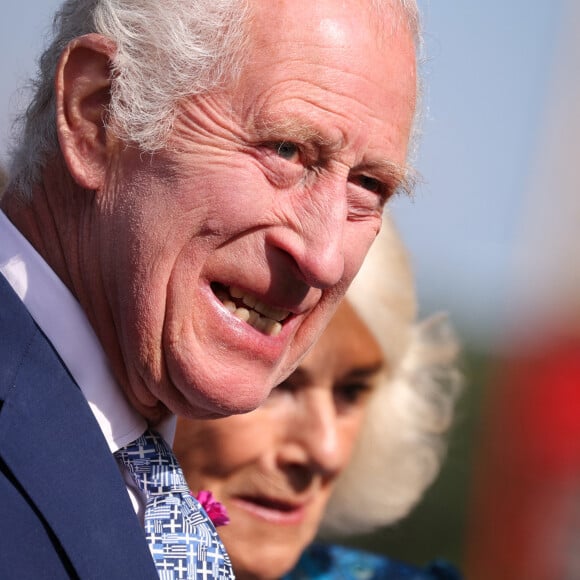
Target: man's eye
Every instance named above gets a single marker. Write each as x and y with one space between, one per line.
370 183
287 150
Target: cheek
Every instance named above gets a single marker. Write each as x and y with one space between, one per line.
359 237
224 182
350 429
217 449
202 450
151 226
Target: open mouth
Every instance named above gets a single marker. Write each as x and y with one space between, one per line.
245 306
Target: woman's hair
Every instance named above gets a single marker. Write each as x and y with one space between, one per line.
402 443
166 50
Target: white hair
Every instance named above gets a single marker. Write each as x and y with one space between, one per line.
402 443
166 50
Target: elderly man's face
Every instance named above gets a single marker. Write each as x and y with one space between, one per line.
229 251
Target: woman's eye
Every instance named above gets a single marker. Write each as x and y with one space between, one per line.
292 384
287 150
352 394
286 385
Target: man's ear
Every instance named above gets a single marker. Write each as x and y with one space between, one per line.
83 88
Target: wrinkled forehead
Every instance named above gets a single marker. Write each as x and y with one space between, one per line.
344 39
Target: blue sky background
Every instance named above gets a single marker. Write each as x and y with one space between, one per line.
487 81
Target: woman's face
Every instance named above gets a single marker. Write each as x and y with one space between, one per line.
275 468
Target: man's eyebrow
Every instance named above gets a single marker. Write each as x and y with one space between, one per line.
401 178
289 130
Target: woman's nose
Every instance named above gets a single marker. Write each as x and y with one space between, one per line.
313 438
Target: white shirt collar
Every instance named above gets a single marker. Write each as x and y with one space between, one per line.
61 318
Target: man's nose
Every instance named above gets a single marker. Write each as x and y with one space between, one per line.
315 236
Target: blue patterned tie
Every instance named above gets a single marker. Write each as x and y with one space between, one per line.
182 539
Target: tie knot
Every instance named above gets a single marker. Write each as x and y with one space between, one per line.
153 465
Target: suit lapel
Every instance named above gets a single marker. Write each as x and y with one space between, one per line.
52 444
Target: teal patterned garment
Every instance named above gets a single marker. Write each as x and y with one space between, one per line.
333 562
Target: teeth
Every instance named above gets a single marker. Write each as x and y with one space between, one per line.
249 300
254 317
260 316
273 328
276 329
261 324
267 326
242 314
271 312
236 292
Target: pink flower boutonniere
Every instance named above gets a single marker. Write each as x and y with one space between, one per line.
215 510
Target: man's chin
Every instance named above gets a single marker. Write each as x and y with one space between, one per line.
218 399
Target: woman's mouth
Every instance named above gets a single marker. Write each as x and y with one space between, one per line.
272 510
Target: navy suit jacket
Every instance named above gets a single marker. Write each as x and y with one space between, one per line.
64 508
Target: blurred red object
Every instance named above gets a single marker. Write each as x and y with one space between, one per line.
524 521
